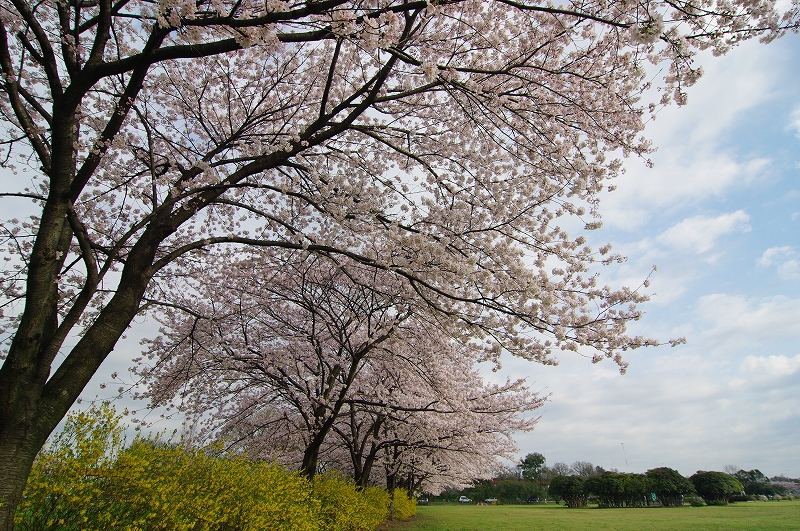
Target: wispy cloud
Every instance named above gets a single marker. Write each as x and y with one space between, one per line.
785 259
724 164
794 123
699 234
770 367
738 320
697 157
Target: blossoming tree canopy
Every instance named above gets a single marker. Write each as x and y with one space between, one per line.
439 141
302 349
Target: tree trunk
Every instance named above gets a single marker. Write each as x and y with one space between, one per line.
311 455
17 453
310 458
391 484
365 467
366 470
31 404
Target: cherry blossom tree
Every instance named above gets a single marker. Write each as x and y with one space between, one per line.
274 351
301 348
439 141
430 418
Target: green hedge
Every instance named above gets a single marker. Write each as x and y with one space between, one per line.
86 480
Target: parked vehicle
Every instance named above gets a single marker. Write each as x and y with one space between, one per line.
464 499
490 501
422 501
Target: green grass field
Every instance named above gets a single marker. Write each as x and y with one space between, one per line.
771 516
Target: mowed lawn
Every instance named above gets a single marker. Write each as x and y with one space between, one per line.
769 516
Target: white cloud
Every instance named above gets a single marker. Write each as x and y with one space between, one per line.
773 254
680 178
770 367
789 270
684 409
699 234
698 158
736 320
785 259
795 122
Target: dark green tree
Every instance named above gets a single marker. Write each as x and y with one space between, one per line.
571 489
532 467
756 483
618 490
558 469
669 486
516 491
716 488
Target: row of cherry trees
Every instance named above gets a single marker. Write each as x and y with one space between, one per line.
321 365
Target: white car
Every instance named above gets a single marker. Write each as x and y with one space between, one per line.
464 499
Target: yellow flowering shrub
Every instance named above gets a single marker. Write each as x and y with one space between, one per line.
405 506
65 486
85 480
345 507
167 487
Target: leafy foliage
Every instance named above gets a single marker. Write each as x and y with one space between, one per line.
349 509
755 482
669 486
506 490
571 489
618 490
73 471
532 466
404 504
716 488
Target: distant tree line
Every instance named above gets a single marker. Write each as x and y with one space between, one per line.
532 481
659 486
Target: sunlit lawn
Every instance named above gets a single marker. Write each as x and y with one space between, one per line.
754 516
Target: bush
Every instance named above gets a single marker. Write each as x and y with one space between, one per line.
163 486
571 489
72 472
85 480
405 506
716 488
669 486
345 508
617 490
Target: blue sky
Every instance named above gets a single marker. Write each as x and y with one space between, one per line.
720 216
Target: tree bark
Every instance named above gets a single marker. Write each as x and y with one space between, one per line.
18 449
